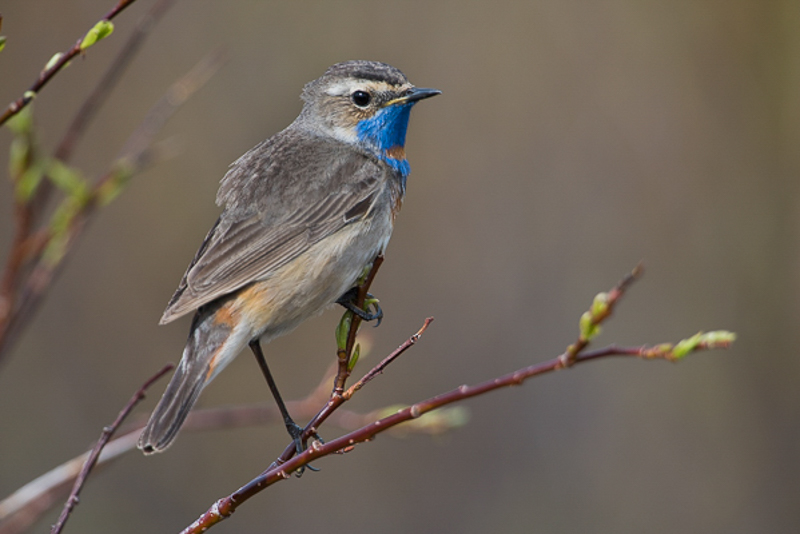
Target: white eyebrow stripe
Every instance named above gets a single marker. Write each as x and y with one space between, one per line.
345 87
339 89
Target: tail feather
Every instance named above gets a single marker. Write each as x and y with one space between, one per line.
179 398
207 351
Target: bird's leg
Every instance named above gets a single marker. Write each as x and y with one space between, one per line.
348 301
295 430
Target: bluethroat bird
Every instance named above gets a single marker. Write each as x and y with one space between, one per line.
304 213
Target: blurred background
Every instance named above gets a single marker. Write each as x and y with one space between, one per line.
573 140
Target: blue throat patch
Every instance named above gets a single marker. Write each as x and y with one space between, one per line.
386 133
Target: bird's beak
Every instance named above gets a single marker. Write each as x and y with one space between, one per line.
414 94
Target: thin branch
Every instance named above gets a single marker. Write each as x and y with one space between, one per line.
47 74
29 243
135 155
378 369
22 508
601 309
110 79
108 431
223 508
91 105
590 322
344 354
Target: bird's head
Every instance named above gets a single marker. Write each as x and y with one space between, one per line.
366 104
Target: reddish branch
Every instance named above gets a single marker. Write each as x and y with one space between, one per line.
601 310
47 74
22 508
378 369
21 297
29 242
224 507
108 431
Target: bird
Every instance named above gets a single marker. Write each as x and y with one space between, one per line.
304 214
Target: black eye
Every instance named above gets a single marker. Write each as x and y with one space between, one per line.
361 98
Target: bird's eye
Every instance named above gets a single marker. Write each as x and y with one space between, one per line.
361 98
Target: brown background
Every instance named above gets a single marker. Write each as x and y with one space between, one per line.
573 139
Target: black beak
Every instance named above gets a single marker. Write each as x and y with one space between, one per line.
418 93
414 94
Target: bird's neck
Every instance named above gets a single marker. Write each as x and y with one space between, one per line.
385 134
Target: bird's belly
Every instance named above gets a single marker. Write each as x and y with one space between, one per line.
312 281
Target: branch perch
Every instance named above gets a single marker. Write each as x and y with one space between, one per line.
94 454
589 325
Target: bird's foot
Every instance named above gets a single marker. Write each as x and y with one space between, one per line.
300 445
348 302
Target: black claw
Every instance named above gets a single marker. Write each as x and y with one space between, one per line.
300 446
347 301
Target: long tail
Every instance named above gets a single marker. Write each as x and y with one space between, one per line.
210 348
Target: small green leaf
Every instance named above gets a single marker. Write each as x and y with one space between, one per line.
354 358
342 329
587 326
60 224
600 305
364 274
100 31
19 154
2 42
53 60
68 180
22 122
685 346
28 182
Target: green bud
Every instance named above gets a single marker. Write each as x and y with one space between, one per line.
53 60
718 338
342 329
364 272
68 180
600 305
685 346
100 31
2 42
18 156
60 225
28 182
22 122
354 358
588 329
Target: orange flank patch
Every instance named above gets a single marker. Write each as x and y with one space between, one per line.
396 152
226 315
249 303
245 304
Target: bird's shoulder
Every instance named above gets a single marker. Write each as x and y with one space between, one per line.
292 168
278 199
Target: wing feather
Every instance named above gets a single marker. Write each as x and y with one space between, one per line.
251 240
